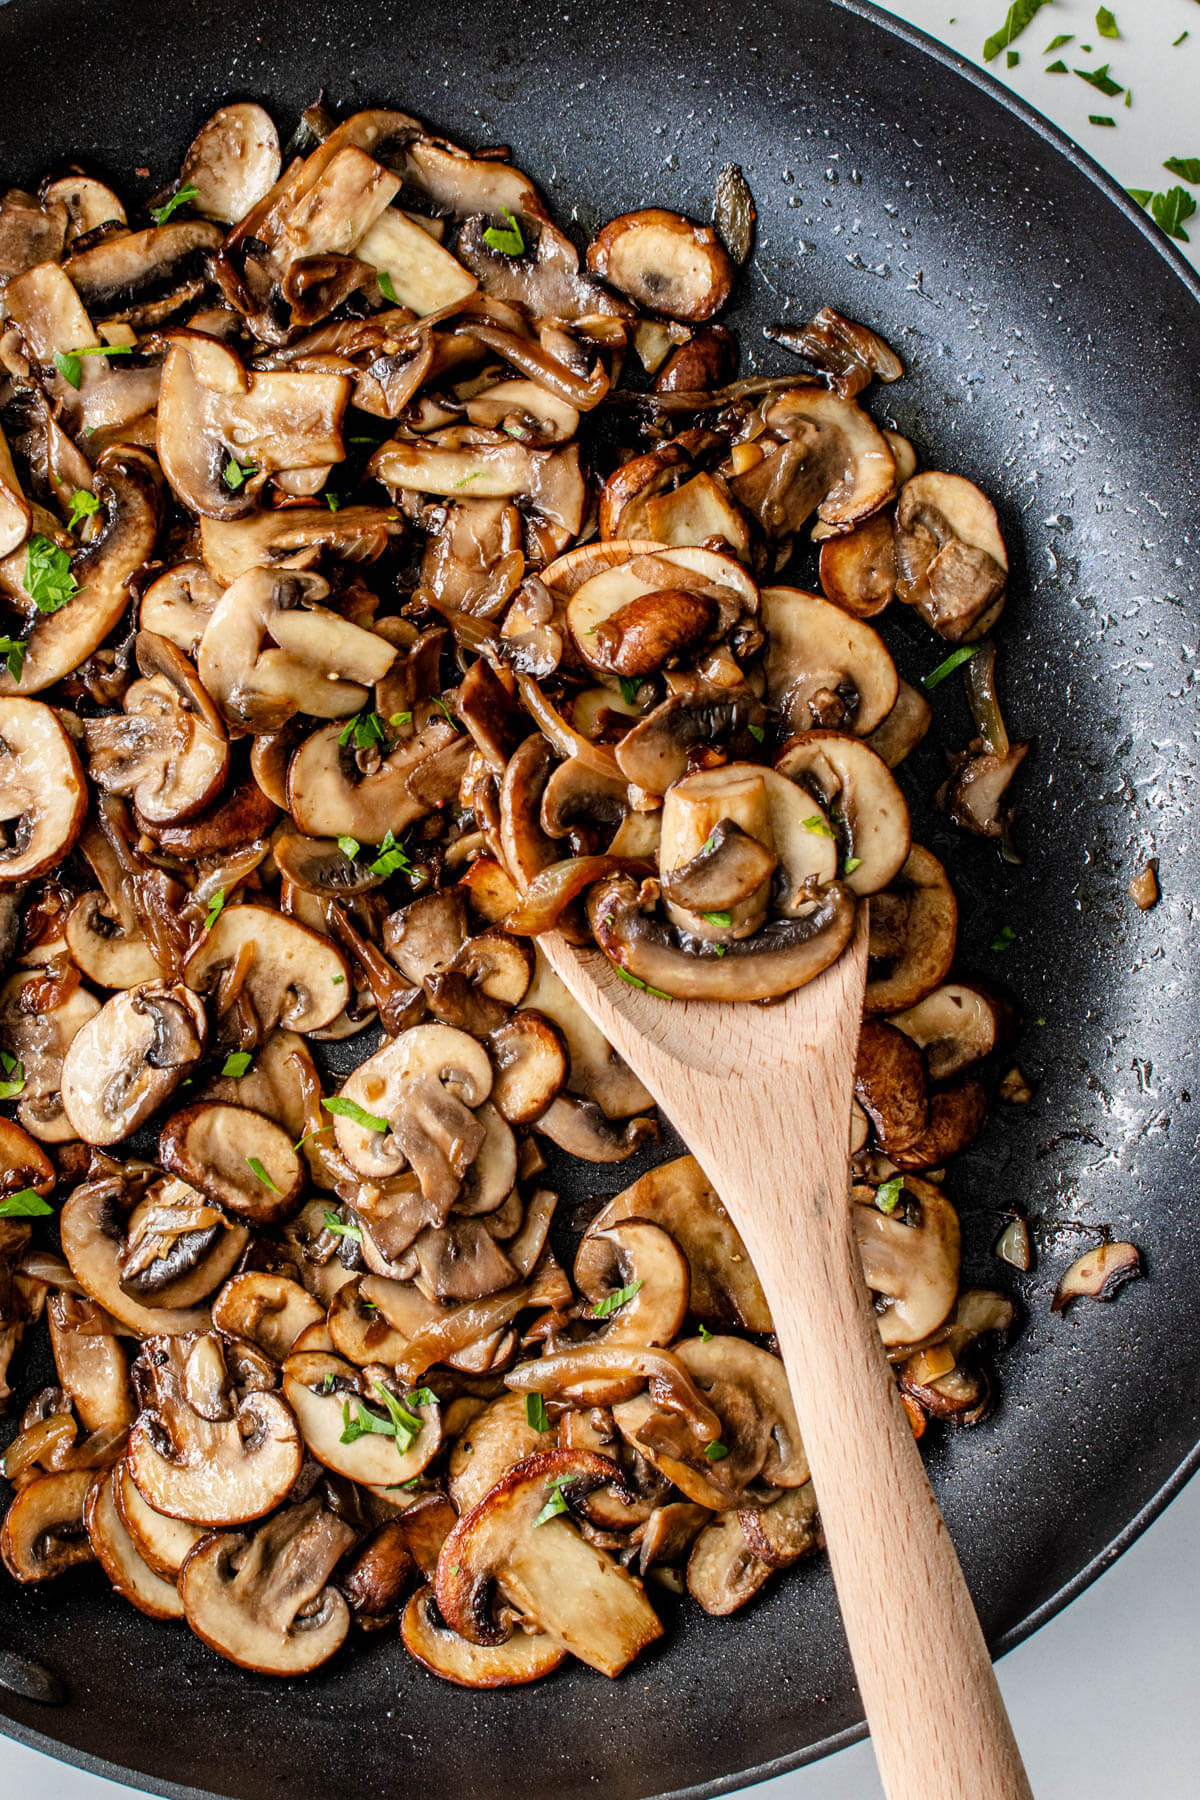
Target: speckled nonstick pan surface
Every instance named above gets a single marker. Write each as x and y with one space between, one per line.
1052 343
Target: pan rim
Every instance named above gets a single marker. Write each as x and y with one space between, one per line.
1073 153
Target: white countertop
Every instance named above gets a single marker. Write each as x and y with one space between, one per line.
1104 1698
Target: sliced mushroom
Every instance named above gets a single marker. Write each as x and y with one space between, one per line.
889 1085
582 1129
298 535
128 1058
958 1024
525 1656
240 1158
168 750
119 1556
422 273
107 948
827 457
910 1259
974 793
1097 1274
162 1543
232 163
23 1163
663 262
91 1364
951 561
280 1074
213 412
268 1310
329 795
531 1066
295 977
230 1463
44 794
351 1428
851 780
914 927
550 482
15 515
261 1600
434 1056
179 604
424 937
644 603
580 1598
786 1529
823 666
858 568
903 728
39 1040
723 1571
94 1244
849 352
639 1256
127 484
143 277
493 1443
596 1072
44 1533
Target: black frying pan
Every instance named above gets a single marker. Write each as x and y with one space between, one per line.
1053 342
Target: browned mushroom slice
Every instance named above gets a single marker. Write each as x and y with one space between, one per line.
162 1543
826 457
225 1464
957 1115
494 1442
531 1063
329 795
596 1072
268 1310
178 605
823 666
295 977
232 163
951 561
726 871
578 1596
525 1656
786 1529
903 728
143 277
30 233
914 928
663 262
240 1158
956 1025
637 1280
128 485
23 1163
433 1056
782 956
974 793
213 413
661 599
89 203
298 535
362 1429
851 353
889 1085
424 276
1097 1274
43 794
94 1244
119 1556
941 1375
15 515
91 1364
548 481
261 1600
425 936
44 1533
679 1197
628 490
910 1259
128 1058
723 1571
582 1129
654 753
858 568
382 1571
109 948
39 1040
168 749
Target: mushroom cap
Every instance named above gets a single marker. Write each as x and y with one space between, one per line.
260 1599
913 934
664 262
297 978
912 1261
856 783
267 1310
635 1253
40 1041
162 1543
214 1146
494 1442
425 1053
105 948
814 650
233 162
329 1397
43 793
92 1236
329 796
129 1057
43 1532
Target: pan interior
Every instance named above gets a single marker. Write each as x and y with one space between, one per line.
1047 346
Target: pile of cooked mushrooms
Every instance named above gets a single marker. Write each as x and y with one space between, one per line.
383 585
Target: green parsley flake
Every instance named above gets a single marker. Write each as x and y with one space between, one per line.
887 1194
179 198
14 1076
757 732
1143 196
391 858
260 1174
1169 211
705 1335
48 578
350 1109
1064 37
716 1452
1101 79
510 242
83 505
400 718
339 1228
235 473
955 660
818 826
1101 119
556 1502
362 731
1186 167
637 982
332 502
214 909
13 652
1004 939
851 863
477 476
24 1204
1013 58
349 846
718 918
1057 68
327 1384
1106 25
1020 14
630 687
236 1064
1180 38
536 1416
386 286
611 1303
445 707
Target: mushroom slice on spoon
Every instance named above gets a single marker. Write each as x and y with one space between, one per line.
128 1058
43 794
261 1600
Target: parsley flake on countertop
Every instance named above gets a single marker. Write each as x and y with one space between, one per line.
1020 14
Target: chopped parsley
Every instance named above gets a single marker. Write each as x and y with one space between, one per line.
14 1076
1056 43
260 1174
631 687
48 578
611 1303
1169 211
24 1204
448 710
400 1424
887 1194
955 660
637 982
236 1064
179 198
818 826
718 918
705 1335
510 242
386 286
757 732
1101 119
556 1501
1106 25
391 858
362 731
83 505
69 367
349 846
1004 939
1020 14
350 1109
12 650
1013 58
716 1452
332 501
1101 79
1186 167
215 906
338 1226
851 863
235 473
1057 68
476 476
400 718
536 1416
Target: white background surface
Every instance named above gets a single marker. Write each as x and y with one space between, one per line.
1104 1699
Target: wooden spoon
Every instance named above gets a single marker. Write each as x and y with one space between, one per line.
762 1098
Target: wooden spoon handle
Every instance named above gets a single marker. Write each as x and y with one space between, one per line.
938 1722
